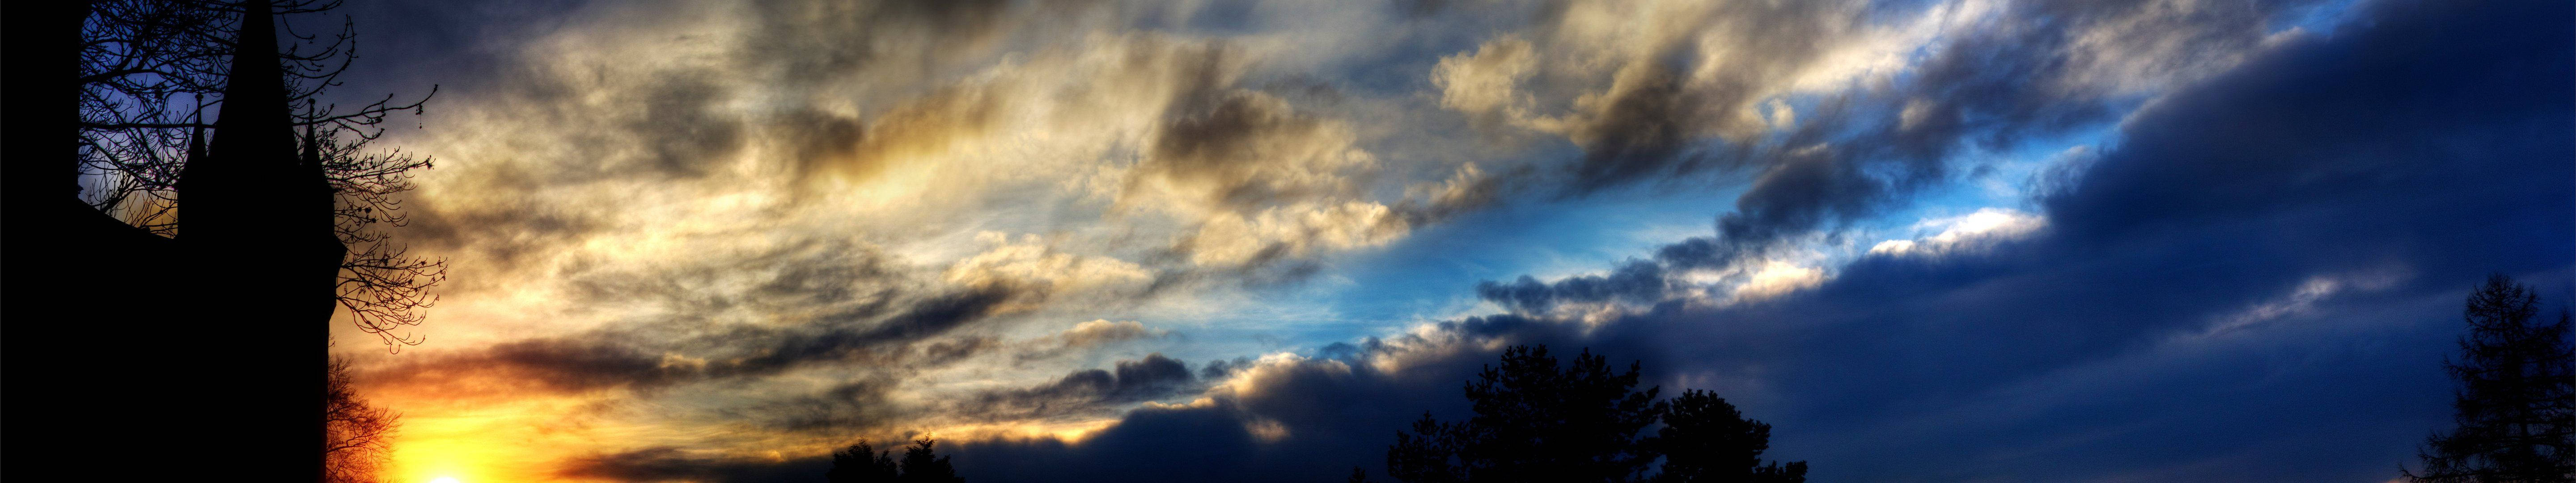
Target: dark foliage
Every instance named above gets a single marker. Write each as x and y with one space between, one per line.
863 463
1704 439
1535 422
921 465
2515 397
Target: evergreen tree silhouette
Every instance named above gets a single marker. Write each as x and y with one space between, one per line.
1705 439
922 465
861 463
1536 422
2516 402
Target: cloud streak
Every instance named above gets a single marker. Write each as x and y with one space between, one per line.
724 237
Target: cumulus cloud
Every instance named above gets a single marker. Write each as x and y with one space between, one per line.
1099 332
2041 349
646 356
1087 337
1486 83
784 224
598 180
1030 263
1089 393
1970 231
1839 110
1637 281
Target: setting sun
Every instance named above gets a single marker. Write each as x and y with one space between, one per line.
1268 241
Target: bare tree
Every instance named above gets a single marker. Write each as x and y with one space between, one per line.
151 70
356 437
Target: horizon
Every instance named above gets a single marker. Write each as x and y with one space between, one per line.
1242 240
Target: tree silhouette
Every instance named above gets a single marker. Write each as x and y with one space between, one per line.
150 70
357 437
861 462
198 100
2516 401
1536 422
1704 439
921 465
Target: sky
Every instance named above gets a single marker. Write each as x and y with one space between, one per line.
1105 240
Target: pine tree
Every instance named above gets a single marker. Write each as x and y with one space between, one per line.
2517 383
1536 422
1705 439
921 465
861 463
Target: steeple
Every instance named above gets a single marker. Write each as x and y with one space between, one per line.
312 159
261 260
225 189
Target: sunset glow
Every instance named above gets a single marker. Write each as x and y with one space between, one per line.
1237 240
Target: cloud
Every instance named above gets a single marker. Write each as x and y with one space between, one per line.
1838 110
1249 149
1087 393
2042 348
936 178
1974 230
1099 332
1087 337
1485 84
1031 263
652 356
675 464
1637 281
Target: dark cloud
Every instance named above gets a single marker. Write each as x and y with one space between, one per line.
649 356
2036 71
1637 281
2082 352
1223 368
813 42
1244 149
1297 420
819 139
1091 392
1642 134
683 124
674 464
861 404
799 278
505 237
2401 156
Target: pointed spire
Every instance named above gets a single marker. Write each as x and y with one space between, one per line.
253 143
255 90
312 149
196 143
